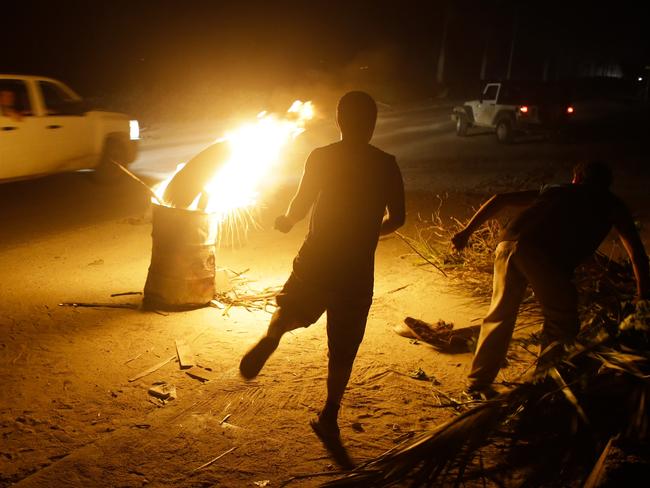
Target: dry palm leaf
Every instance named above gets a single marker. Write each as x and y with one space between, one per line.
187 184
550 431
443 336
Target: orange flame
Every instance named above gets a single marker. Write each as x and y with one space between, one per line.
255 148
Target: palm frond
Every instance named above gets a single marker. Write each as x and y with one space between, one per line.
432 454
556 426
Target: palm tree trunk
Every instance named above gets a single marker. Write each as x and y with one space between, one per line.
440 72
515 26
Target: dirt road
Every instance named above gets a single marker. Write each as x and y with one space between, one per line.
70 416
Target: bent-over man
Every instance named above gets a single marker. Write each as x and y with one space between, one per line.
560 226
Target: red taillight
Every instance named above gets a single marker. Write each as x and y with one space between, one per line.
524 109
569 110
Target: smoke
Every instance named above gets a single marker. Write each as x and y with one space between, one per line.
202 91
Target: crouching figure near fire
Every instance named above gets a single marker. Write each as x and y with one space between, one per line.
560 226
357 194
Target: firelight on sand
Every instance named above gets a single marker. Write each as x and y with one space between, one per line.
254 149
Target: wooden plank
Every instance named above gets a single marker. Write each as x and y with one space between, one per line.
163 391
185 356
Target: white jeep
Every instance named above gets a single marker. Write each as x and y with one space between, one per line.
515 107
46 128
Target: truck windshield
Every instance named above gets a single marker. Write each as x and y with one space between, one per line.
490 92
57 101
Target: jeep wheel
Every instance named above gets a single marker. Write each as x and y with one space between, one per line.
504 131
461 125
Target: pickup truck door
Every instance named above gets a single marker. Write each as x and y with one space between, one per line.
67 131
486 108
21 148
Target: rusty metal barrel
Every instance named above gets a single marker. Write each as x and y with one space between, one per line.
182 270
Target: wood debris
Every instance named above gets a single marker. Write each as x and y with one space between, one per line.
132 306
163 391
201 374
126 293
152 369
395 290
215 459
185 356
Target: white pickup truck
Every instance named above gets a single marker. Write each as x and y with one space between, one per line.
46 128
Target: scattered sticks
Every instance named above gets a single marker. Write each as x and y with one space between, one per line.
152 369
416 251
215 459
132 306
126 293
241 294
134 177
399 288
132 359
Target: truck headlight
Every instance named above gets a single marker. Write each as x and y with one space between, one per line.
134 130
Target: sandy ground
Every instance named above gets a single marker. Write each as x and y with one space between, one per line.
70 416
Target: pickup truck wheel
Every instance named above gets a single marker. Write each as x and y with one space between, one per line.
504 131
106 172
461 125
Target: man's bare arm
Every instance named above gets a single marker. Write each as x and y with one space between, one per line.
489 210
396 205
632 243
302 200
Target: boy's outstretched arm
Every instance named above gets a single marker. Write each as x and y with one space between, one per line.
303 199
395 203
488 210
632 243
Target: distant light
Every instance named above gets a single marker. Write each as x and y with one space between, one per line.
523 109
640 78
134 130
569 110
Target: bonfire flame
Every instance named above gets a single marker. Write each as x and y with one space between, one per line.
232 184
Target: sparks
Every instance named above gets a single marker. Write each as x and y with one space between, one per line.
254 149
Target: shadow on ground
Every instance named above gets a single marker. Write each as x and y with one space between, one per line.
34 208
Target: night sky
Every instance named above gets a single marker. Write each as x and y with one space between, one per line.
145 50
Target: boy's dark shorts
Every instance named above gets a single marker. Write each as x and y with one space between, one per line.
346 314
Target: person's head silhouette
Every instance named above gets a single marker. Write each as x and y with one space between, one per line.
593 173
356 115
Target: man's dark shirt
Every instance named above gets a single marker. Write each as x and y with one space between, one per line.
352 184
568 222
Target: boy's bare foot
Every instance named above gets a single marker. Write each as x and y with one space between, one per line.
253 361
329 434
325 429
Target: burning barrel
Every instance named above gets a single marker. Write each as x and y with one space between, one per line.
182 270
223 178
